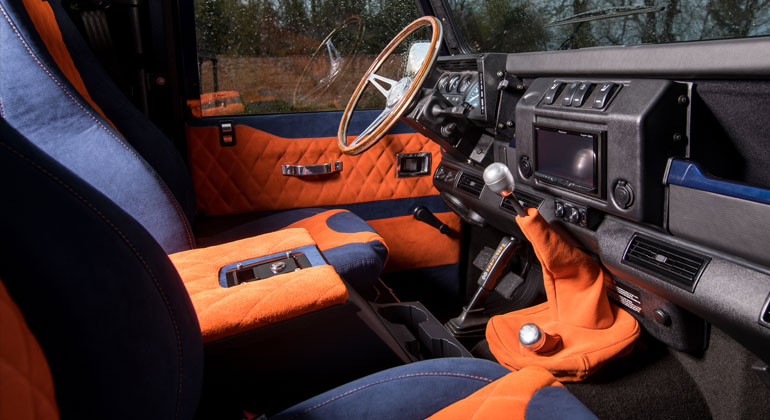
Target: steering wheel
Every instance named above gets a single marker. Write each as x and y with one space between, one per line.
398 95
337 63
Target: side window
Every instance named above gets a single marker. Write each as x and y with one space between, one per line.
280 56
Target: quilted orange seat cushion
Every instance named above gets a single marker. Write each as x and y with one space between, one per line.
224 312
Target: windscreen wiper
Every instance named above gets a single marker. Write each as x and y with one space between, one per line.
606 13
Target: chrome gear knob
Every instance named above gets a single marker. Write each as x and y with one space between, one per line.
499 179
536 340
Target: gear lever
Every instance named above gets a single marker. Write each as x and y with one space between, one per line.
471 321
499 179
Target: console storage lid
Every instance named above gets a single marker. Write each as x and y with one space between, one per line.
225 311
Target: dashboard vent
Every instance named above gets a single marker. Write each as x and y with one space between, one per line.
676 266
764 318
471 184
458 65
527 201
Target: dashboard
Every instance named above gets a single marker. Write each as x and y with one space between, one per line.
609 161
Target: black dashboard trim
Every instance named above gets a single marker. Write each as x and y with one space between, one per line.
734 58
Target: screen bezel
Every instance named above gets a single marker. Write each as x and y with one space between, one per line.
598 138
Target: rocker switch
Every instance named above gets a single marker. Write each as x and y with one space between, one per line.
603 93
569 92
226 133
551 93
581 93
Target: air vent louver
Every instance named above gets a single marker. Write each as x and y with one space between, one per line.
764 317
676 266
525 199
471 184
458 65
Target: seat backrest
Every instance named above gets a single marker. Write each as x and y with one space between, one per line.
109 310
58 113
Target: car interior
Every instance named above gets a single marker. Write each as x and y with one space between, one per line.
391 209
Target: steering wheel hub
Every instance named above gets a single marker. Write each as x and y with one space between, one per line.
398 91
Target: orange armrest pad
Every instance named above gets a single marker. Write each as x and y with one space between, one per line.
505 398
223 312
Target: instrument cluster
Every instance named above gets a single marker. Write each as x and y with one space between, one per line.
459 88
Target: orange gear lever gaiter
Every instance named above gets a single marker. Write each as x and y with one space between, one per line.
591 330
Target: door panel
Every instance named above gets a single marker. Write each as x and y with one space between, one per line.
247 178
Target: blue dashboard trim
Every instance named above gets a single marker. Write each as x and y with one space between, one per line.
304 125
689 174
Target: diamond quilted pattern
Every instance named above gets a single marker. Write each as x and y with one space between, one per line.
226 311
247 177
26 385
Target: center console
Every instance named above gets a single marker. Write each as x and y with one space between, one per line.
600 144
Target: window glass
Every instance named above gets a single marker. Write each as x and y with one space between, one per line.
521 25
271 56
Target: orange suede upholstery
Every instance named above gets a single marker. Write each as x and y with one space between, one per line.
413 244
401 235
573 280
227 311
26 385
247 177
592 330
505 398
328 238
43 18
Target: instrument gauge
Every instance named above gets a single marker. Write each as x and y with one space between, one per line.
473 98
453 83
466 83
442 83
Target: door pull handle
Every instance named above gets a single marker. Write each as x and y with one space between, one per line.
308 170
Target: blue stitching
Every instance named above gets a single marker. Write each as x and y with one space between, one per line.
344 394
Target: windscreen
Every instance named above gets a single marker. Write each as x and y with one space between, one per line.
566 155
547 25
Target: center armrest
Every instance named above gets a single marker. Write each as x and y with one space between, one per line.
225 311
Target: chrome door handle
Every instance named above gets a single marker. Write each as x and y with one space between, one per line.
307 170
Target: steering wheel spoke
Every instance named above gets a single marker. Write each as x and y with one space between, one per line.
376 80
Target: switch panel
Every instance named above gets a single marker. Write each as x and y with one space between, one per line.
574 213
587 95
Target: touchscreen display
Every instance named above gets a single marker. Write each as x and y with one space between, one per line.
567 155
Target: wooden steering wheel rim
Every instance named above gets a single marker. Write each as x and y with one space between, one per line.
401 106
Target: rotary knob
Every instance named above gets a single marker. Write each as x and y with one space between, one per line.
558 211
574 215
